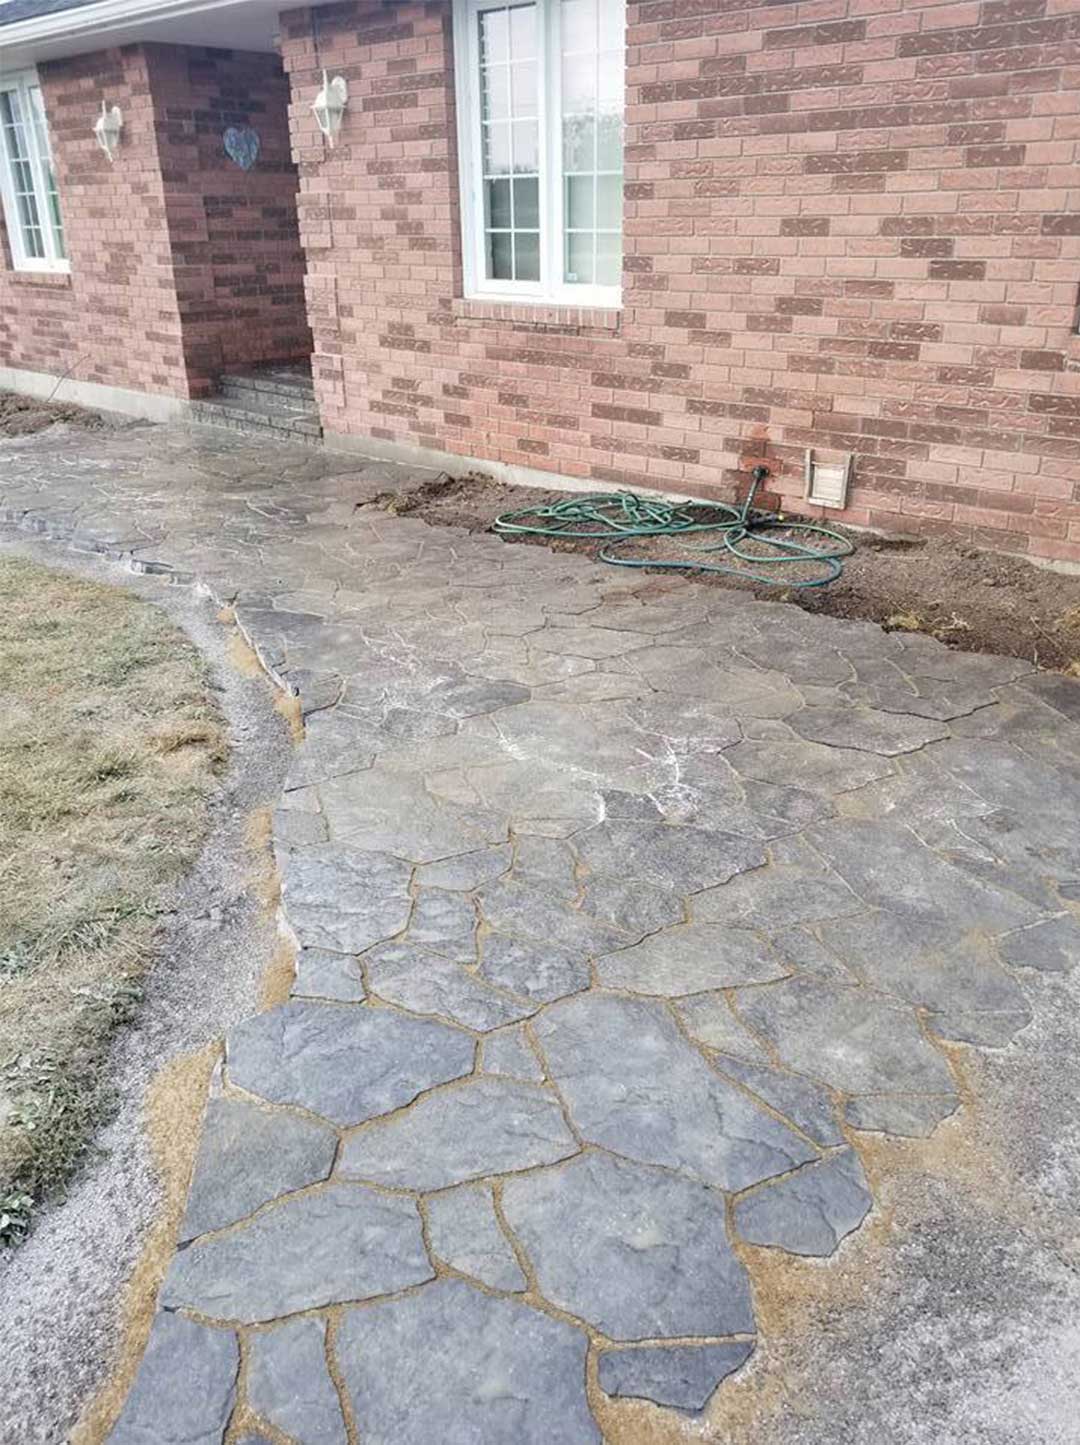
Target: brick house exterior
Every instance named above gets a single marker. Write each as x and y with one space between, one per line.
849 224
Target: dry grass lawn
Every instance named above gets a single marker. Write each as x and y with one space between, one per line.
109 745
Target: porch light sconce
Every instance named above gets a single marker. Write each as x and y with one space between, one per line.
107 129
329 105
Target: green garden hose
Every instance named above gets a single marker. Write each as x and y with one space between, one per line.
752 538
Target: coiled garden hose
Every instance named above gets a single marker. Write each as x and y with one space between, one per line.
749 536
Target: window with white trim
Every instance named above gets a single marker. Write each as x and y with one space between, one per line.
540 87
28 178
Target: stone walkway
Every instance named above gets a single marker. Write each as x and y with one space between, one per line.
624 908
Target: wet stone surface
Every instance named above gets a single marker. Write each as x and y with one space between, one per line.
683 879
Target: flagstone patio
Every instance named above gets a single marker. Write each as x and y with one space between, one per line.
624 909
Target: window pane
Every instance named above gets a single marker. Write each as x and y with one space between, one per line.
497 198
526 204
593 85
579 258
494 36
500 256
495 92
523 32
527 255
526 147
497 149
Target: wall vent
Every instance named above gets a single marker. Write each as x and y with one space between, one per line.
828 475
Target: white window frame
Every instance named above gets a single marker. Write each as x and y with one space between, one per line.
21 82
551 289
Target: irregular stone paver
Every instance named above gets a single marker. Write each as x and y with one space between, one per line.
634 1251
867 731
682 1376
464 1233
347 1064
185 1390
690 959
808 1105
321 974
289 1384
249 1155
341 1243
509 1053
1051 947
487 1126
492 1371
342 899
416 979
913 1117
708 1019
633 1084
610 767
535 970
810 1211
846 1037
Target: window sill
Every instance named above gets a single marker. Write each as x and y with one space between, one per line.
57 280
541 316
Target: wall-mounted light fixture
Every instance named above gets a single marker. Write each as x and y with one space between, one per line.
107 129
329 105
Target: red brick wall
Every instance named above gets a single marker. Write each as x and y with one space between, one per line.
114 320
238 263
850 223
181 263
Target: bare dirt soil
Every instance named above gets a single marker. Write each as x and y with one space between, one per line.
973 600
21 415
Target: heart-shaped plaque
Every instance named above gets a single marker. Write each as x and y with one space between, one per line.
241 145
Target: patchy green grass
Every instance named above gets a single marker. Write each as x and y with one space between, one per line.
109 745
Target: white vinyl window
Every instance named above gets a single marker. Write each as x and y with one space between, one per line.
541 88
28 179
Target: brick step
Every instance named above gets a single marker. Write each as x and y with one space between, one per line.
237 391
258 413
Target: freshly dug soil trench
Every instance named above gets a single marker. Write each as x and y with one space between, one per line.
973 600
21 415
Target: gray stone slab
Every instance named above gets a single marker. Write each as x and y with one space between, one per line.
808 1105
464 1233
1052 946
810 1211
889 867
508 1053
289 1384
802 764
991 1030
185 1389
425 983
847 1037
636 1252
775 898
484 1127
682 1377
708 1019
532 913
347 1062
249 1155
467 871
538 971
494 1371
910 1116
867 730
344 899
926 962
445 923
322 974
390 812
690 958
546 863
628 904
681 858
339 1243
633 1084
